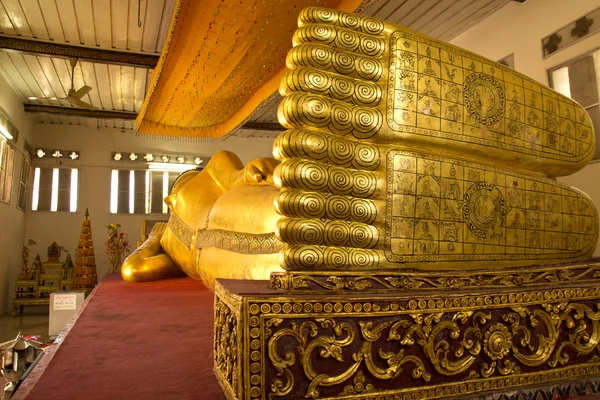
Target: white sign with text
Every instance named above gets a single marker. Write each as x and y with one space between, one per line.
65 301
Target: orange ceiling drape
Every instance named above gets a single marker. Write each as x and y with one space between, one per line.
221 60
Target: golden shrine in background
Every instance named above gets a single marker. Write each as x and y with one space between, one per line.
419 245
84 272
34 285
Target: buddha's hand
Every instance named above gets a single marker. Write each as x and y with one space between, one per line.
259 171
364 188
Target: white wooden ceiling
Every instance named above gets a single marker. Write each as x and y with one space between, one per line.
443 19
109 24
113 24
104 24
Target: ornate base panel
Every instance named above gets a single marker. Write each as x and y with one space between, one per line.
352 282
426 345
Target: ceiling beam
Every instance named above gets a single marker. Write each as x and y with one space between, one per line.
79 112
263 126
106 114
59 50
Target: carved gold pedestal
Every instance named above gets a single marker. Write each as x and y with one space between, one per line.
411 335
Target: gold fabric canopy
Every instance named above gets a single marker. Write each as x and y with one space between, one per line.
221 60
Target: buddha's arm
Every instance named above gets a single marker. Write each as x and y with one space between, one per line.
148 262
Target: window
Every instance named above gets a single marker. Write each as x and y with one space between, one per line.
579 79
24 184
55 189
7 158
140 191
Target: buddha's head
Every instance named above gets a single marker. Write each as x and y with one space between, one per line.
181 181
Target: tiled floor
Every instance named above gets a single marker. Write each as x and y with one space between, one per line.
34 321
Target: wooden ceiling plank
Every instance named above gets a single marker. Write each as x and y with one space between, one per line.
7 76
114 75
103 85
152 24
68 18
89 77
389 8
119 17
52 20
127 88
461 8
81 80
444 17
33 12
63 72
135 32
6 26
374 8
404 10
23 70
424 7
17 16
139 88
40 77
270 114
165 24
14 76
51 75
440 9
479 15
103 23
85 21
243 133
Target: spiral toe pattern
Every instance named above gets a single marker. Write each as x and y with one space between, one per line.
316 15
306 110
313 176
342 62
326 148
328 233
301 204
300 257
337 87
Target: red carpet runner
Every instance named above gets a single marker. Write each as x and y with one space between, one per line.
134 341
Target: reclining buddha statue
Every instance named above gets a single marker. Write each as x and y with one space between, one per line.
402 153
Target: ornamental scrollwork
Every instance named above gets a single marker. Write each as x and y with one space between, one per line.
226 342
476 344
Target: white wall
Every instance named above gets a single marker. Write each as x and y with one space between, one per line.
95 165
12 220
519 28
